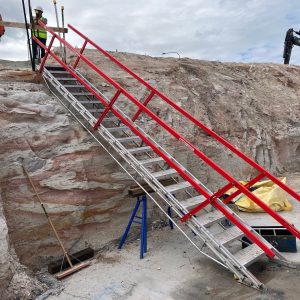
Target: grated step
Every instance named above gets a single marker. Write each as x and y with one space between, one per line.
163 173
191 202
65 78
210 218
95 110
151 161
74 86
120 128
111 119
90 101
177 187
58 72
82 94
229 235
129 139
139 150
249 255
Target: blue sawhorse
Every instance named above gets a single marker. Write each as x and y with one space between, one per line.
142 220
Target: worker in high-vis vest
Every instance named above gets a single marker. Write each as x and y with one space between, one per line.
40 34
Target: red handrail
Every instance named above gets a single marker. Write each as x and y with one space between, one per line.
178 136
189 116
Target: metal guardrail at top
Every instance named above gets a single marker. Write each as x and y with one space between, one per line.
210 198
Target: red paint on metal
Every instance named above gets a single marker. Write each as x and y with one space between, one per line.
186 142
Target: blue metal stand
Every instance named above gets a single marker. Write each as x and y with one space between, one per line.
139 220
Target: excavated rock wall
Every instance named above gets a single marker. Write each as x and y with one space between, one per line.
254 106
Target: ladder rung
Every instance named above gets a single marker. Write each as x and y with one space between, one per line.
163 173
249 255
191 202
129 139
65 78
177 187
120 128
139 150
151 161
210 218
229 235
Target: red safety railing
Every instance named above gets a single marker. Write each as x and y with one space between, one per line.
141 108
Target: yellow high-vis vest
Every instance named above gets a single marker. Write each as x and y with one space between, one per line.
40 33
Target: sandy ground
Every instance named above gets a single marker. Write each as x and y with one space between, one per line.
174 269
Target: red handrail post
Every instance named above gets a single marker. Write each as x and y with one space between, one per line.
150 96
111 103
47 52
81 51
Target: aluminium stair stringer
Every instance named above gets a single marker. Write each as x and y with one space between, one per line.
220 251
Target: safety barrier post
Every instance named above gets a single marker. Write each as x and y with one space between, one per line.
150 96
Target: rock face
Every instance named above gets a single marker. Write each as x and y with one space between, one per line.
256 107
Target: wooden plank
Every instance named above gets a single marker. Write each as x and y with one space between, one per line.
22 25
82 255
135 191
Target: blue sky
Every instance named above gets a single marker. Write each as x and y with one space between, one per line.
224 30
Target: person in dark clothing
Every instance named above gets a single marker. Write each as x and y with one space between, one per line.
40 34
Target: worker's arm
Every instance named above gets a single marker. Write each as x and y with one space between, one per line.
297 32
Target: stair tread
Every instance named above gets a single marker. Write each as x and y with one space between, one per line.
66 78
164 173
129 139
151 161
191 202
90 101
139 149
178 186
229 235
74 86
59 72
119 128
210 218
83 94
249 255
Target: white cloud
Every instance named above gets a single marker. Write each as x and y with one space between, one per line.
226 30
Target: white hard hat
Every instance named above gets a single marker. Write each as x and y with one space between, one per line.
39 8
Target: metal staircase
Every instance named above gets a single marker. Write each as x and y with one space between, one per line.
145 160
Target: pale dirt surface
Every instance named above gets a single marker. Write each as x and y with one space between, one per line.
171 270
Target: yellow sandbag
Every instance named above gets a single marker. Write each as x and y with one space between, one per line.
268 192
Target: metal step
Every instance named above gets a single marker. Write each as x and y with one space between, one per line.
139 150
249 255
89 101
95 110
111 119
54 68
129 139
151 161
74 86
65 78
209 219
120 128
59 72
177 187
229 235
191 202
164 173
83 94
